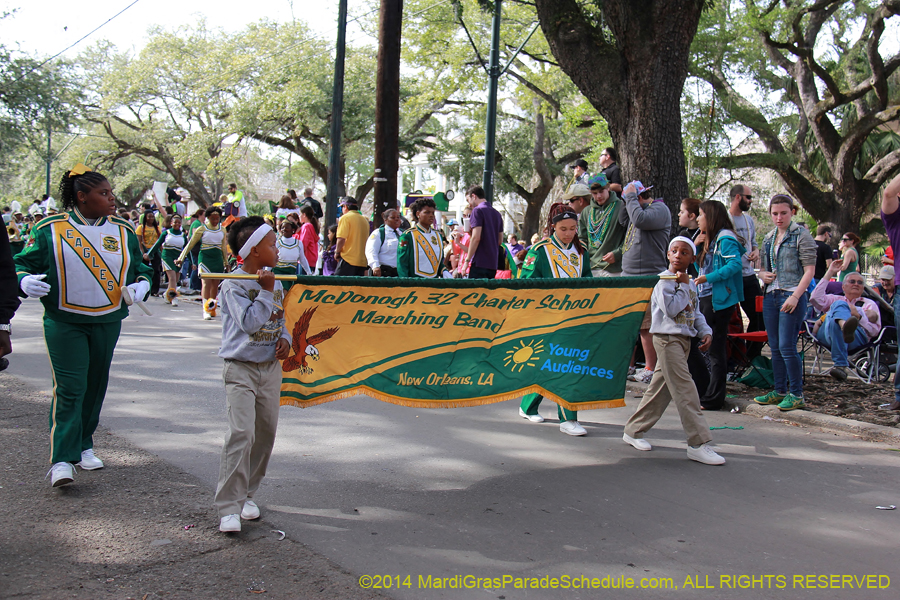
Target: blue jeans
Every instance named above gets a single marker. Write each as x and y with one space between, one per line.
783 330
831 335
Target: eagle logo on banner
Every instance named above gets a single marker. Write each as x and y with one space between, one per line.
304 346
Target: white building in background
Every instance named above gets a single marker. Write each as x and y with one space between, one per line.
428 180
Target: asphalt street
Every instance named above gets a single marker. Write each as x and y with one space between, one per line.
403 494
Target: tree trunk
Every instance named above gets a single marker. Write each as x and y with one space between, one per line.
634 81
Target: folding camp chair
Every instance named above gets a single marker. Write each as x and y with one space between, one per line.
866 361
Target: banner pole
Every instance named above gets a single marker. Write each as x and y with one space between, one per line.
250 276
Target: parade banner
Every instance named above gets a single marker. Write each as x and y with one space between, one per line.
449 343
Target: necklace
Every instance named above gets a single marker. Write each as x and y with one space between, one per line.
598 224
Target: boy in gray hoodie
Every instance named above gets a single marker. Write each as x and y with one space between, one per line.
676 318
254 339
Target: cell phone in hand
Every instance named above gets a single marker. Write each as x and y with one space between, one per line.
835 255
858 303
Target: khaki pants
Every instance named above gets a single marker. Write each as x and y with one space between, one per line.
671 380
252 396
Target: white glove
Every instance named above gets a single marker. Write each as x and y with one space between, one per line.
34 287
139 291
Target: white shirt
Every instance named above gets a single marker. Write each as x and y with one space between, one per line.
378 253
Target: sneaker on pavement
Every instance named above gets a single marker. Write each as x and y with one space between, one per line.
839 373
250 511
646 376
89 462
174 301
704 454
61 473
532 418
638 443
772 397
791 402
230 524
849 329
207 316
572 428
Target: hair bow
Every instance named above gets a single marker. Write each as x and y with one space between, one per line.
78 169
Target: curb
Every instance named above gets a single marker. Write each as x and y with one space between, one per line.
866 431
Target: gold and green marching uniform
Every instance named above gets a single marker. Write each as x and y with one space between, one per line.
289 251
87 265
169 245
213 248
545 260
420 253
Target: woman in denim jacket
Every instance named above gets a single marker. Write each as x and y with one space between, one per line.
789 262
721 287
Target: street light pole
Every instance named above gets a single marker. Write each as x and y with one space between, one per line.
337 113
490 144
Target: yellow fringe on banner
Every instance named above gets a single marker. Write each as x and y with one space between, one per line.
461 403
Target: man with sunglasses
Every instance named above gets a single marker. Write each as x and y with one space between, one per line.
849 321
745 228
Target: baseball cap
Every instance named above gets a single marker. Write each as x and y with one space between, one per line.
598 180
349 201
887 272
580 163
639 187
452 222
579 190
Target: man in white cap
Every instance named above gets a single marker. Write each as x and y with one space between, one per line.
578 197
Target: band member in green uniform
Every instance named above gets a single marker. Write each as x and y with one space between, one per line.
213 252
559 256
170 244
290 254
79 264
420 252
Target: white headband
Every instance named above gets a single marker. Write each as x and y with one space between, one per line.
688 241
261 232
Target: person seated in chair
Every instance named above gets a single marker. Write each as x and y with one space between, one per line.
848 322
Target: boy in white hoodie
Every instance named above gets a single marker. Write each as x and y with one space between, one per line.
676 318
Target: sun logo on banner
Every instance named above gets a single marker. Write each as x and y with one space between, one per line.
521 356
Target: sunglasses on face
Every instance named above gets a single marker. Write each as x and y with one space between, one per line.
747 197
854 282
845 239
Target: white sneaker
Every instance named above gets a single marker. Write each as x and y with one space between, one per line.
642 376
250 511
230 524
705 455
89 462
572 428
61 473
174 301
207 316
639 443
532 418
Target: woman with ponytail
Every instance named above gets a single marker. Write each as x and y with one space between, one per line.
85 265
559 256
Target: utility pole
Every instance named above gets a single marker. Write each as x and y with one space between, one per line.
337 114
387 107
49 157
490 143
